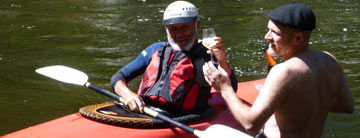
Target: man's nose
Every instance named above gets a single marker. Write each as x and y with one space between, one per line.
268 35
178 33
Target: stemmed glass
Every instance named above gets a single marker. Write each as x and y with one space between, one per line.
208 41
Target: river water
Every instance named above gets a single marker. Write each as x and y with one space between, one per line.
100 36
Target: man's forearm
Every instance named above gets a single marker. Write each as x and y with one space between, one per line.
121 88
240 111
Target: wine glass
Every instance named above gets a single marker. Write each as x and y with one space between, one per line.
208 41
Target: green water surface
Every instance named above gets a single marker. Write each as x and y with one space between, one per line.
100 36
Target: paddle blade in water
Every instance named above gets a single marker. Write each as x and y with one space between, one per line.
64 74
221 131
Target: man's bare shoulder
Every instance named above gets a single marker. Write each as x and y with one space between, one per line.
293 66
329 54
282 69
305 61
281 76
285 76
326 60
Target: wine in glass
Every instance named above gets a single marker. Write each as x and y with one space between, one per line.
208 41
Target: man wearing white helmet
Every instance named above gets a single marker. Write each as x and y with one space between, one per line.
173 79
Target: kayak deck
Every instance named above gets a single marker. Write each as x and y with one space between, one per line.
75 125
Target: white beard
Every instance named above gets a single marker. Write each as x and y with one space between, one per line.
187 47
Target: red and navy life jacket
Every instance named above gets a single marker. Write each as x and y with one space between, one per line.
173 80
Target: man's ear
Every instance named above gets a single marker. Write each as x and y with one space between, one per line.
299 36
198 25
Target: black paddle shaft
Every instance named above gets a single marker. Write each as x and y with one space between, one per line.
159 116
178 124
103 91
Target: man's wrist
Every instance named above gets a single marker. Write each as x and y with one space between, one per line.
225 65
227 91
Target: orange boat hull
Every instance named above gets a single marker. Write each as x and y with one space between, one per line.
75 125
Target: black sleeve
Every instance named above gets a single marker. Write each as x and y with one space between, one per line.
137 66
233 80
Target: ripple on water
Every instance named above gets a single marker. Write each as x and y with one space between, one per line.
351 61
104 50
118 62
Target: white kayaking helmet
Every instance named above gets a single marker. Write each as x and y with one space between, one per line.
180 12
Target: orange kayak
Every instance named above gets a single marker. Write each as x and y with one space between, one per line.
75 125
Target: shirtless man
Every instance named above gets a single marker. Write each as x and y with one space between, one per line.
299 93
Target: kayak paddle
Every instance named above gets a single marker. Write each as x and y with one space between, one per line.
73 76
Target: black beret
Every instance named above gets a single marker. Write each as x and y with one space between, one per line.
296 16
